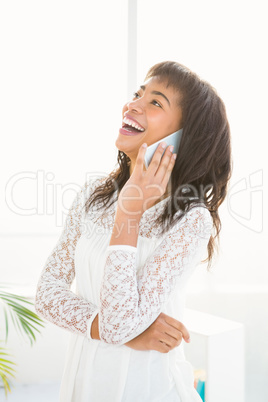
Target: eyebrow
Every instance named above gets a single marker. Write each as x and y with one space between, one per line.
156 93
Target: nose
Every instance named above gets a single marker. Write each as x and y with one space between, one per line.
135 105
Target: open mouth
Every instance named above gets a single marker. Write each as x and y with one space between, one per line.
131 126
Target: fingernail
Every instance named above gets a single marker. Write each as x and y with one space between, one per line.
171 148
144 145
163 145
174 156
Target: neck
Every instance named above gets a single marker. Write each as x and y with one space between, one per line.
132 166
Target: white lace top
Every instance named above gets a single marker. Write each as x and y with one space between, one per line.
128 287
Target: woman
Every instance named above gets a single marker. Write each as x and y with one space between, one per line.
133 239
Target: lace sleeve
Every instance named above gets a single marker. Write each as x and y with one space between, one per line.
54 300
129 305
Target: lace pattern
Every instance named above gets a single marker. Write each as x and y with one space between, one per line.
54 300
105 219
129 304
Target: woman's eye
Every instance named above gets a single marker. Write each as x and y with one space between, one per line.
156 103
136 94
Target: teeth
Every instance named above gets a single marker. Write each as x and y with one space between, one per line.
132 124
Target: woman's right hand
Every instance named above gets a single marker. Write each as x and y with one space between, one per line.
163 335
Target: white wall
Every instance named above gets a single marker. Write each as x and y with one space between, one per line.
63 84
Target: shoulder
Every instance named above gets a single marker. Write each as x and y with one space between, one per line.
90 185
84 191
199 211
197 220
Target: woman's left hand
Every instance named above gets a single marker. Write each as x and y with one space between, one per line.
144 187
163 335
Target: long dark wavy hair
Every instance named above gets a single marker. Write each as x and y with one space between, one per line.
203 165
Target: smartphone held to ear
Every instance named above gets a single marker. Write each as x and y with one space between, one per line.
172 139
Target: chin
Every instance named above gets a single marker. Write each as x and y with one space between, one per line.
124 146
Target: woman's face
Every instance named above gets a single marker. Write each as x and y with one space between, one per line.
155 111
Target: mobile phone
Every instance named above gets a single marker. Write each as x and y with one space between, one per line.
171 139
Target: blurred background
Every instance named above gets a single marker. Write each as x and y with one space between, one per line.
66 70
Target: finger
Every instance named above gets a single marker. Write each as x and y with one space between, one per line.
173 333
140 159
170 167
178 325
162 347
172 340
170 332
156 159
165 163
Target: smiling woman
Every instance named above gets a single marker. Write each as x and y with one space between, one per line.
133 239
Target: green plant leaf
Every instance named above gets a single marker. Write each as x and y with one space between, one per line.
26 323
5 360
22 317
13 296
6 322
5 383
29 314
6 370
